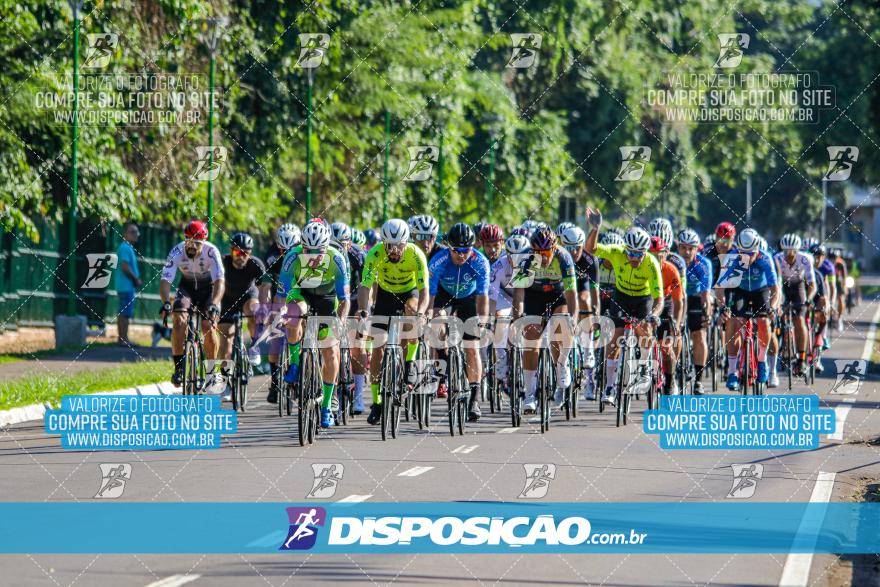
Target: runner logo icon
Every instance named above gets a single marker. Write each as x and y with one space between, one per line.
303 531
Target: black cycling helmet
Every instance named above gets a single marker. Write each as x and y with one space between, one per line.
478 227
818 250
242 241
461 235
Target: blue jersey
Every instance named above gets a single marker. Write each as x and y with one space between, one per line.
459 281
761 274
699 276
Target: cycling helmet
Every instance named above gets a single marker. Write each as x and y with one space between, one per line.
491 233
616 230
516 244
662 228
748 241
315 235
689 237
562 226
461 235
358 237
478 227
340 231
611 238
319 220
637 239
196 230
543 239
790 241
808 243
572 236
287 236
817 250
395 232
530 225
725 230
710 239
371 237
424 224
242 241
658 245
521 231
762 244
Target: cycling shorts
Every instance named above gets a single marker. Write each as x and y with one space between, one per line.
747 303
667 319
623 306
795 296
193 294
695 311
229 306
391 304
542 303
461 308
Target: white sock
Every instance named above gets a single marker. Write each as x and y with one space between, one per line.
612 372
732 364
771 364
531 381
563 374
762 353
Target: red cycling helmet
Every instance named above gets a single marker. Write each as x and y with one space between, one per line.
196 230
725 230
319 220
658 245
491 233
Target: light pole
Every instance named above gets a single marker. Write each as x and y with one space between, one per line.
311 77
385 169
492 120
75 6
211 28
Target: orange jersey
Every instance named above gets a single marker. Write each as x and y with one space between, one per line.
671 282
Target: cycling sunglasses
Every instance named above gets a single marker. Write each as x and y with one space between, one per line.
463 250
635 254
396 248
314 251
194 241
240 253
423 237
544 252
724 241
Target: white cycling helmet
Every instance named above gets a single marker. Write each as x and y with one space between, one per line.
637 239
572 236
790 241
748 240
762 244
611 238
287 236
316 235
564 225
663 228
395 231
341 232
517 244
689 237
424 224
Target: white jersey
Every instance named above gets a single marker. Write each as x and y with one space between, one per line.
499 284
206 267
801 271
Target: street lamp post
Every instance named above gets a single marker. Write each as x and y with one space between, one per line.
212 39
385 168
76 7
311 78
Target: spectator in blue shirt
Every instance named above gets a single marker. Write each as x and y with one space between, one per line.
127 280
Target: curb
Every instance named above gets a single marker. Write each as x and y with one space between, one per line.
37 411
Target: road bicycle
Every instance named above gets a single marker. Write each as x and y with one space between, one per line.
241 367
344 386
632 370
716 353
422 394
458 394
392 388
546 387
748 358
571 394
516 383
309 389
684 369
193 353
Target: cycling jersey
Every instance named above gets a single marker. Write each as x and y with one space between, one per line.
558 276
587 270
699 276
460 281
411 272
274 259
642 280
826 268
499 284
240 283
759 275
672 288
680 265
202 270
329 276
605 275
801 271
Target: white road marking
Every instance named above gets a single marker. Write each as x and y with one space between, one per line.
465 449
174 581
414 472
506 431
796 572
872 332
355 498
840 414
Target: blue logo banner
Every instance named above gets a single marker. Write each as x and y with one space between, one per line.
470 527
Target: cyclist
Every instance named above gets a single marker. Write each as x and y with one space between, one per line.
698 287
478 228
586 268
459 285
341 236
638 289
201 287
242 272
825 290
516 248
400 271
796 276
372 238
359 238
606 273
424 229
756 295
553 291
314 279
672 314
286 237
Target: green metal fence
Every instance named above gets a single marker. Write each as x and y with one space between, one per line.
33 275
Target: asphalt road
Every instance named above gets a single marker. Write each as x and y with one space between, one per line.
596 462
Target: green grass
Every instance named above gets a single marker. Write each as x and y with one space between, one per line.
38 389
73 348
